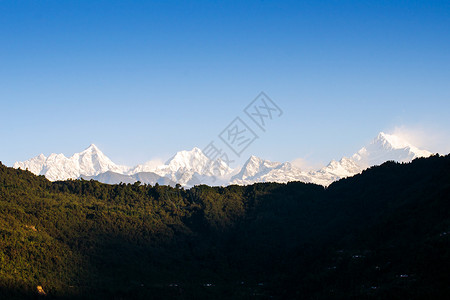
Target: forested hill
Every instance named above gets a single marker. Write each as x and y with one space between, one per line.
383 234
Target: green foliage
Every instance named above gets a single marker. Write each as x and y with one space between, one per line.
85 239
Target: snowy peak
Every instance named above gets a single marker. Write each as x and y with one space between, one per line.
91 149
390 141
149 166
92 161
344 167
255 166
191 160
387 147
189 167
89 162
260 170
335 170
384 147
193 167
33 165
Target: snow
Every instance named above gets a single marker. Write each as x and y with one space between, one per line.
387 147
384 147
89 162
193 167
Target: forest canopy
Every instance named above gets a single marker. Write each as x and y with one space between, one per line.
383 234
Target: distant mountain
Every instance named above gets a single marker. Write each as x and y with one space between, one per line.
387 147
256 167
334 171
144 177
193 167
260 170
89 162
189 168
384 147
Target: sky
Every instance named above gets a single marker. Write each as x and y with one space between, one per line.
145 79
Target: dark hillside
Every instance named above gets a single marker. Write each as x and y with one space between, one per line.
384 234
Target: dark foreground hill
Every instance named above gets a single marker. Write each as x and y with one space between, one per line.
384 234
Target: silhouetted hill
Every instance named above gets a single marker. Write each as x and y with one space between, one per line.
383 234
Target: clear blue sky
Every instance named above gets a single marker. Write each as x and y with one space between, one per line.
143 80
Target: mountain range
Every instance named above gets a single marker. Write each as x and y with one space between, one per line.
190 168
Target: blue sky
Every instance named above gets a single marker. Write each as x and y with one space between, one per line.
145 79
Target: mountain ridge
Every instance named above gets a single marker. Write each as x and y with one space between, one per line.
193 167
386 231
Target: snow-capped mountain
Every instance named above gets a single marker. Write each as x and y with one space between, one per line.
143 177
195 161
387 147
335 170
89 162
384 147
193 167
256 167
148 166
260 170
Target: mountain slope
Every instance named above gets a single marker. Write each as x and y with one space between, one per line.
193 167
256 169
384 147
89 162
382 234
387 147
334 171
189 168
143 177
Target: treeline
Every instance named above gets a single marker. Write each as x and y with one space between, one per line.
384 234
